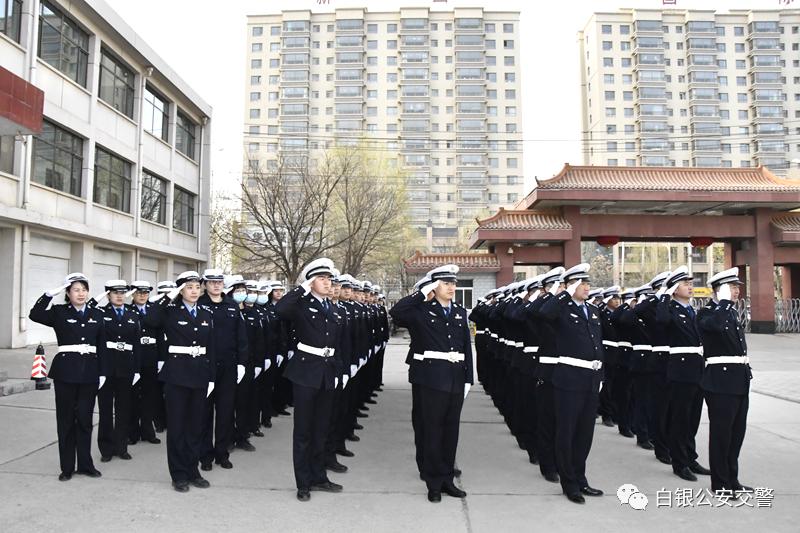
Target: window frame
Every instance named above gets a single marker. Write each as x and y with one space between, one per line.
128 87
178 207
75 154
191 135
81 74
122 179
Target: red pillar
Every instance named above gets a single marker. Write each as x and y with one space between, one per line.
791 281
572 247
506 273
762 276
729 255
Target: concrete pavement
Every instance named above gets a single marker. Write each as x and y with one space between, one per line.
382 491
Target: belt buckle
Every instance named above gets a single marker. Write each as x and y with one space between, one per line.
596 365
83 349
145 340
453 358
326 352
120 346
194 351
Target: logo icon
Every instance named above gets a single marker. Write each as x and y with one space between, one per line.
629 494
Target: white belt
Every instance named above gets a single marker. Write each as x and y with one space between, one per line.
119 346
194 351
515 344
615 344
322 352
645 347
453 357
78 348
624 344
530 349
493 335
571 361
686 349
548 360
660 348
480 331
728 359
501 340
148 340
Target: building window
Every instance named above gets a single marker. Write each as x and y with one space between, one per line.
58 159
62 44
183 211
155 114
154 198
116 84
10 19
185 132
7 154
112 181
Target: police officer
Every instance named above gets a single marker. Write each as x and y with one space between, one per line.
281 344
160 415
443 369
275 339
576 378
262 360
684 372
145 393
726 381
245 295
622 378
188 374
609 301
314 372
75 370
123 343
337 429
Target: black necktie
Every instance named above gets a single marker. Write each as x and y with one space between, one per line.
193 312
119 313
446 312
690 310
80 313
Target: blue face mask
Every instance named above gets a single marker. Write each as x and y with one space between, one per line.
239 297
251 298
262 299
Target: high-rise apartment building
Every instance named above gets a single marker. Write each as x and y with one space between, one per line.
436 93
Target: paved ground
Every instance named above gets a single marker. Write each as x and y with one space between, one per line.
382 491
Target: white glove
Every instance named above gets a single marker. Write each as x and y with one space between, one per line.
554 288
156 296
362 362
130 293
535 295
345 379
174 292
160 365
608 299
306 286
290 354
267 364
239 373
660 292
601 386
642 298
467 386
136 377
257 371
102 382
57 290
724 292
353 370
427 289
336 382
672 289
100 297
210 388
630 301
572 287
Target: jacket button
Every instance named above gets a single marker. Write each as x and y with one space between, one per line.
725 368
195 329
83 325
83 338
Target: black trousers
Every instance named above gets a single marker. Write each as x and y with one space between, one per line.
114 400
441 414
246 407
575 414
727 417
338 412
312 417
621 396
545 426
160 412
416 424
686 406
525 403
144 397
605 406
186 408
220 415
74 408
662 407
643 390
266 388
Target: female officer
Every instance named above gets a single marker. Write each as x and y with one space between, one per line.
187 375
76 369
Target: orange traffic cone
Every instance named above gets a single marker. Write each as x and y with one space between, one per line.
39 370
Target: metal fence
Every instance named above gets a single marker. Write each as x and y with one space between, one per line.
787 316
742 309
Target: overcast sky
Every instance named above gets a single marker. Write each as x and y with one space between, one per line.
205 42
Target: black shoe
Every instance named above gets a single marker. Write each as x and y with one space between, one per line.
357 426
303 495
371 401
589 491
608 422
327 486
626 433
125 456
154 440
521 445
336 466
456 472
200 482
225 463
245 445
105 458
552 477
685 474
576 498
359 414
646 444
283 412
352 437
205 467
267 424
532 458
743 488
699 470
373 394
132 441
434 496
160 429
65 476
180 486
452 490
89 472
258 433
666 459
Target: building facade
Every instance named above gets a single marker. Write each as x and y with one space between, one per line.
691 88
435 93
116 185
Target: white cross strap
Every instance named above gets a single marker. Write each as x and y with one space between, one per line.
322 352
453 357
686 349
119 346
728 360
77 348
194 351
582 363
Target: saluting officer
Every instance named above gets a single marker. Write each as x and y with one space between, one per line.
622 378
75 370
245 295
188 375
684 372
608 303
726 381
146 392
160 416
439 330
314 372
123 344
576 378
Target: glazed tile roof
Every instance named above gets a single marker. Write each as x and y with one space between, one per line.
524 220
787 222
468 262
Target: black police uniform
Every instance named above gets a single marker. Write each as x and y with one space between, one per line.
75 376
248 391
546 362
146 393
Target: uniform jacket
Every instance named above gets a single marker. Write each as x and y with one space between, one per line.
230 338
123 364
723 335
148 340
681 331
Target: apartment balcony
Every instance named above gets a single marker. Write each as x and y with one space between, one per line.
647 28
650 78
701 28
349 26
